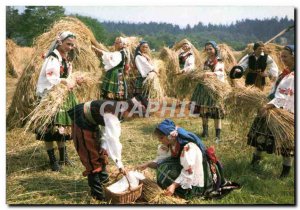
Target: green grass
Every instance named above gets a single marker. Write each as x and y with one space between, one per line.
29 179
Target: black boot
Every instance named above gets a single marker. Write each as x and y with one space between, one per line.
96 186
103 176
255 160
205 131
53 162
285 171
218 135
63 157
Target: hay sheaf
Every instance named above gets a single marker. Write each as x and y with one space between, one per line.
152 84
281 124
168 74
16 58
242 103
85 60
153 194
42 115
218 90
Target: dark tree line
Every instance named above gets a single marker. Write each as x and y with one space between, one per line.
35 20
237 35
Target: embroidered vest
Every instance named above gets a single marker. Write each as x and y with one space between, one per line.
260 63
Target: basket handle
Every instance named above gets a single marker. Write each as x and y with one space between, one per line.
126 179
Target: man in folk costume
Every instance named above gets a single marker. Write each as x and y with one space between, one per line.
144 65
57 69
257 64
114 85
184 165
93 145
186 58
205 105
282 96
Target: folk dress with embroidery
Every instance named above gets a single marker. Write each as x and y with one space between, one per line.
114 83
187 61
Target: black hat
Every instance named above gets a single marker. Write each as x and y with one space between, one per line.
236 75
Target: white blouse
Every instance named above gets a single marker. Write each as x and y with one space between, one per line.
143 65
111 59
192 173
285 92
50 74
220 71
273 68
111 138
189 64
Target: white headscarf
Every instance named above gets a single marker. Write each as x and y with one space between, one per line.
60 38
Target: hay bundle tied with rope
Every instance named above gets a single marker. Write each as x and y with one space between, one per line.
152 84
84 60
281 124
153 194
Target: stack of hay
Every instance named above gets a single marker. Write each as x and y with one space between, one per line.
16 58
85 60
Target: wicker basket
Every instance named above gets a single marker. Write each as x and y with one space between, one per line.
129 196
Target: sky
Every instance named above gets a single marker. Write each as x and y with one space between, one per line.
181 15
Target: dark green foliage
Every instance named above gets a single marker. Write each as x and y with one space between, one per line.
32 23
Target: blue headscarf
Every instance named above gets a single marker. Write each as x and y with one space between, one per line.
184 137
215 46
138 49
290 48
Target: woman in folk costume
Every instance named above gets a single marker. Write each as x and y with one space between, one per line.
186 58
282 96
144 65
205 105
184 165
57 69
257 64
116 66
94 146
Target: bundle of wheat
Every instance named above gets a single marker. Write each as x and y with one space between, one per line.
42 115
168 74
218 90
85 60
242 103
10 58
152 84
153 194
281 124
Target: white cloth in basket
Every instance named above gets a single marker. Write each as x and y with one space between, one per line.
122 185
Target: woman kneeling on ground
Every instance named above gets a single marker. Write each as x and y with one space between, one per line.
184 165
